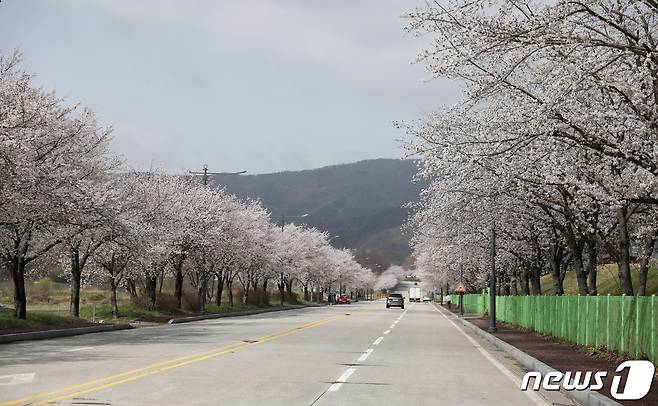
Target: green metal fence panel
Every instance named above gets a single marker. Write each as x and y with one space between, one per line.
627 324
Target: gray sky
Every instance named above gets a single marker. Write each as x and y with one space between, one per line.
262 85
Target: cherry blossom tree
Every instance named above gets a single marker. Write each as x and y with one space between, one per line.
555 138
52 154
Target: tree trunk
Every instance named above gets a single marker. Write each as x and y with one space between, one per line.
74 304
210 291
179 280
20 298
525 281
623 259
281 286
535 282
245 296
306 292
643 272
592 258
76 271
266 298
113 299
151 290
514 284
203 286
220 288
645 257
576 250
229 290
161 279
132 289
289 288
506 289
178 290
558 288
74 300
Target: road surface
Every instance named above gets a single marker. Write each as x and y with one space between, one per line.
360 354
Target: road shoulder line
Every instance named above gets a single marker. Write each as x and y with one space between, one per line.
584 397
65 332
189 319
517 381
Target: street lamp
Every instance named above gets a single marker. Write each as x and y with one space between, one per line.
492 281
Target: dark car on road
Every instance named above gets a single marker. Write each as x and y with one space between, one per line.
395 300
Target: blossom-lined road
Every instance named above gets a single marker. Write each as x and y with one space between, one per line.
360 354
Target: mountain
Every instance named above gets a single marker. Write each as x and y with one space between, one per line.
361 203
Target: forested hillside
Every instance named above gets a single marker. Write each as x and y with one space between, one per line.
361 203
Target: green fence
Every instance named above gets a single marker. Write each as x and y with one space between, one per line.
626 324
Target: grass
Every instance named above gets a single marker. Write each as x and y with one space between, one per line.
47 292
127 312
36 319
48 304
607 281
51 315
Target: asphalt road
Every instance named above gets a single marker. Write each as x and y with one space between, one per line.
360 354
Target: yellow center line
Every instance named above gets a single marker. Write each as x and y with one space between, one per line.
156 368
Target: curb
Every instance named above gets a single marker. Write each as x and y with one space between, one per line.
188 319
584 397
42 335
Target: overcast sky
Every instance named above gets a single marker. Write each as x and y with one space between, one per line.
263 86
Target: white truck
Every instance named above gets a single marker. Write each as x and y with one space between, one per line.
415 294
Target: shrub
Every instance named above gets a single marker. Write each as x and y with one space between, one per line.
291 297
139 301
258 297
166 302
190 301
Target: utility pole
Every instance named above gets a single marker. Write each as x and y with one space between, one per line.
492 281
205 174
203 286
283 219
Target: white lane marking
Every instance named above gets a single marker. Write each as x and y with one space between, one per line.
391 326
79 349
341 380
532 395
365 355
17 379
